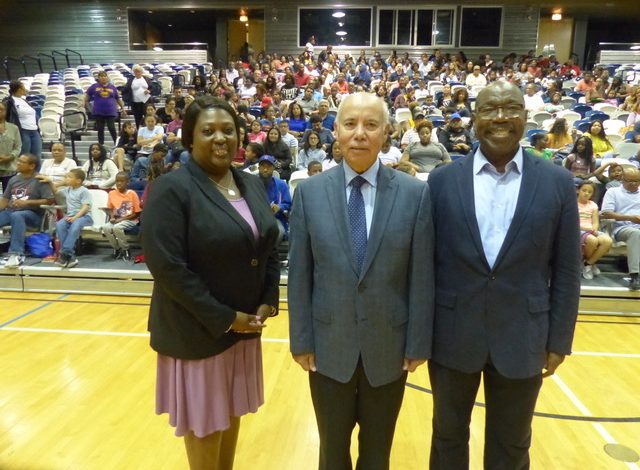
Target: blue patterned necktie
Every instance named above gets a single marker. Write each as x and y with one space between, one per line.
357 220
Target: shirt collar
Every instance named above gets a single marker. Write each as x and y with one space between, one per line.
371 175
480 163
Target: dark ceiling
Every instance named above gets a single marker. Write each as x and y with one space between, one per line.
197 19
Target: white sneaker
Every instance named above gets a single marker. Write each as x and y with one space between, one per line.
587 272
595 270
14 261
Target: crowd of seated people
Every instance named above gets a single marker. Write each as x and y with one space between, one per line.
288 105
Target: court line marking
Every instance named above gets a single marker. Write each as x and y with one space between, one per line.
542 414
589 417
266 340
20 317
608 438
106 333
605 354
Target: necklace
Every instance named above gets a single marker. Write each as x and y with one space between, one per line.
231 192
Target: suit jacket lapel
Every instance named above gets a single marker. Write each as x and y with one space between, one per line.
336 195
385 199
525 198
465 189
209 190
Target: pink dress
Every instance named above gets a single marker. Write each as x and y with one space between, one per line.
201 395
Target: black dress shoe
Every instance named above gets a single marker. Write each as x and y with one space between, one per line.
634 282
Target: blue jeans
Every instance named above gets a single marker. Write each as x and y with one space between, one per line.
19 221
31 142
69 232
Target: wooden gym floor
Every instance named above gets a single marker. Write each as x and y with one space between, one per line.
77 392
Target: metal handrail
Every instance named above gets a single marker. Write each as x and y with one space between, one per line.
53 59
37 59
75 52
66 56
5 64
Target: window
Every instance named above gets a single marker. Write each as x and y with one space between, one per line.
481 27
335 26
422 27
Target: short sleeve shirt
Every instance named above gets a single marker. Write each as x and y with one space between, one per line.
123 205
21 188
105 99
75 199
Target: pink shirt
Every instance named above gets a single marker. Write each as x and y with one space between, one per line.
240 205
260 137
586 214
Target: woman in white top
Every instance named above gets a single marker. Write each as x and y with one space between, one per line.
101 172
311 151
57 167
23 115
138 91
149 135
389 155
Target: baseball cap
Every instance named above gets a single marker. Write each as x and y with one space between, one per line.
266 102
267 158
455 116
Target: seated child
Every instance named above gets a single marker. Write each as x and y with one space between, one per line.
78 215
595 244
125 214
314 167
141 167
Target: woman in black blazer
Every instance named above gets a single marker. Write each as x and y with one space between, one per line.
210 243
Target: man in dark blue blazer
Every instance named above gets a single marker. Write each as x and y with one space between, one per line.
360 288
507 260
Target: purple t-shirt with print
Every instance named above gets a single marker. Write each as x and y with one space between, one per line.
105 99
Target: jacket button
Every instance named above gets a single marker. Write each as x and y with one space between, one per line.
362 288
493 278
254 262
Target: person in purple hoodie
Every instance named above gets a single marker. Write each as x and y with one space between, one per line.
106 103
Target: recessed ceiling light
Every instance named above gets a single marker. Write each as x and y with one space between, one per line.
170 25
341 33
150 11
556 17
634 48
158 48
339 14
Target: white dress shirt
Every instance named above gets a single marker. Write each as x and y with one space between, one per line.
495 197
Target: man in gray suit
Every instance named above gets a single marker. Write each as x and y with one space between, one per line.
508 261
360 288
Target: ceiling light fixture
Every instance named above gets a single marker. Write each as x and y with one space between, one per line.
244 18
341 33
158 48
634 48
339 14
556 15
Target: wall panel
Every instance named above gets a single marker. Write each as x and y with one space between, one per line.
99 29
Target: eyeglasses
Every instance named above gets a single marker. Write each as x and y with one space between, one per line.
509 111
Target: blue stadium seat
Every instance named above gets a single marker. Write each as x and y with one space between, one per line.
582 109
582 125
532 132
596 115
